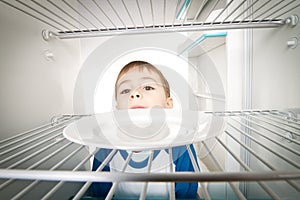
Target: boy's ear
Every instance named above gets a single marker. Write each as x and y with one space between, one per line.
169 102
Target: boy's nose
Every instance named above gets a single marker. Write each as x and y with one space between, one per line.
136 95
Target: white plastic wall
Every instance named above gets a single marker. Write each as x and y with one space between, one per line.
33 88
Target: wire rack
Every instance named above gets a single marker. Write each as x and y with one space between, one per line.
41 163
88 18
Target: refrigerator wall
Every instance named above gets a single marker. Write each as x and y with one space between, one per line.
247 69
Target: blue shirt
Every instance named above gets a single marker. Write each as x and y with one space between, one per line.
181 161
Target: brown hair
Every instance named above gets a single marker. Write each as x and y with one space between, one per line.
141 65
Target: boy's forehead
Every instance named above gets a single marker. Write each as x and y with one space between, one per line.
139 74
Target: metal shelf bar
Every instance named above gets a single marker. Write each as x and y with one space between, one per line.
66 13
266 147
31 15
289 10
279 9
172 184
238 193
175 28
6 183
152 13
197 169
247 168
33 184
284 115
212 9
187 11
54 14
295 185
35 153
57 186
145 187
269 9
115 184
288 119
27 137
236 122
266 137
128 13
82 176
280 122
165 7
274 125
255 11
71 7
29 148
228 4
245 10
40 13
92 14
140 12
86 186
99 7
21 134
272 131
175 13
234 10
184 25
199 11
116 13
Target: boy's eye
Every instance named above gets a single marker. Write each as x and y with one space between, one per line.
125 91
148 88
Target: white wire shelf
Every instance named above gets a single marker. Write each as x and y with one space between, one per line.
90 18
41 162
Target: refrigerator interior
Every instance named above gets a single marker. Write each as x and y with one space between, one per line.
238 61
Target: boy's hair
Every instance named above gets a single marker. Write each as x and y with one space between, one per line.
141 65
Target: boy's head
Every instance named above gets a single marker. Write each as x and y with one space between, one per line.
141 85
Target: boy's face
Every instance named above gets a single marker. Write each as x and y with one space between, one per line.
141 89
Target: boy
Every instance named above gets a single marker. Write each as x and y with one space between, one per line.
141 85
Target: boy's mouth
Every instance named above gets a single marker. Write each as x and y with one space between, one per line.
137 107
